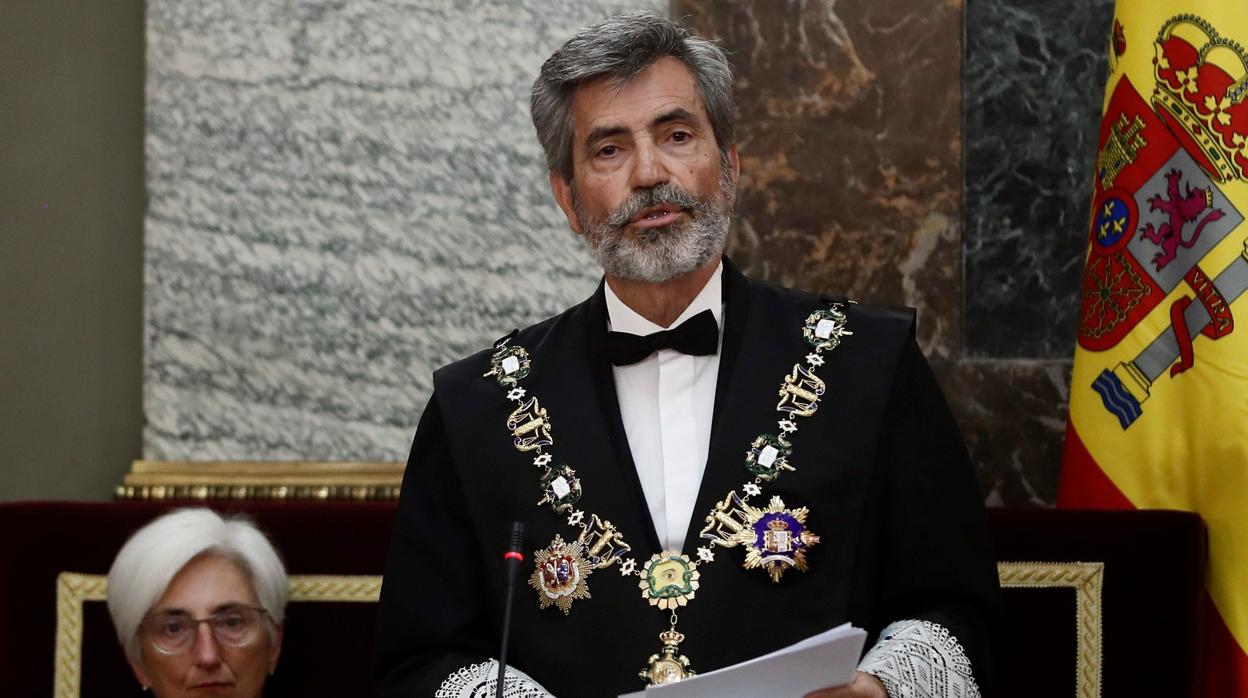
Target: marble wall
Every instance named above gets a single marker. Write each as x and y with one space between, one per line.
1035 75
342 196
854 119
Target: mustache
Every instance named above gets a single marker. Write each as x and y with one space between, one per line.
666 193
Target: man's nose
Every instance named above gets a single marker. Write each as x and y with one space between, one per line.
207 651
649 167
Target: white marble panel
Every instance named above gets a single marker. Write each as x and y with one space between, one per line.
342 197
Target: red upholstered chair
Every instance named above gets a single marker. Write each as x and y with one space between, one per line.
1100 603
329 642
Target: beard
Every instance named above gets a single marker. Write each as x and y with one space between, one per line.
658 254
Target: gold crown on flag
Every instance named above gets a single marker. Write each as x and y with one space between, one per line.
1202 93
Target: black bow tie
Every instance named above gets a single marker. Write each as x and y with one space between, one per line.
697 336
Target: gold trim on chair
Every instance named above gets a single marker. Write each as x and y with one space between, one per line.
1087 579
74 589
335 587
149 479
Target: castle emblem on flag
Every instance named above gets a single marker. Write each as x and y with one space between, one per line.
1158 209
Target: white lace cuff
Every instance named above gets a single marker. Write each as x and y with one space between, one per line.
920 659
479 681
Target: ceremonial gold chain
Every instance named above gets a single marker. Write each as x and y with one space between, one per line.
775 537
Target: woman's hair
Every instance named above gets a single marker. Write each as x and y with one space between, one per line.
156 553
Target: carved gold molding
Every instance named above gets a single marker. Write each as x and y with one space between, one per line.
74 589
149 479
1087 579
351 588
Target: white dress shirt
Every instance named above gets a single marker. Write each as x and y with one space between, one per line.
666 402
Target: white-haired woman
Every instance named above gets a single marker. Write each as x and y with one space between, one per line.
198 602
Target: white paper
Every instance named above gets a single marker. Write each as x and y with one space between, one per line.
822 661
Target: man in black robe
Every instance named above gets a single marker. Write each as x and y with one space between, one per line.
708 468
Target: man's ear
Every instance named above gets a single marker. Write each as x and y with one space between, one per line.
563 196
735 162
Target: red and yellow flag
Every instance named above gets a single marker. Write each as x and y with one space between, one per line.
1159 395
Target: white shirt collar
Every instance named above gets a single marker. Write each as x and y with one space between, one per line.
621 318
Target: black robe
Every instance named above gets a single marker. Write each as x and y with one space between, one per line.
880 465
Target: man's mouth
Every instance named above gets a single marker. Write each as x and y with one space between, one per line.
657 216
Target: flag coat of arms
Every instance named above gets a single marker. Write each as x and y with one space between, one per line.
1159 391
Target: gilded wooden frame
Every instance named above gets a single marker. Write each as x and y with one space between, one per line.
149 479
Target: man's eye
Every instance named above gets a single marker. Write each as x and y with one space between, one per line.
607 151
681 136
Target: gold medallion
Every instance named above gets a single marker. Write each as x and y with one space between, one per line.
669 580
603 543
667 666
776 538
800 392
726 521
561 575
530 426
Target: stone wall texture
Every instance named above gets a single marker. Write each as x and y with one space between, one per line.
342 197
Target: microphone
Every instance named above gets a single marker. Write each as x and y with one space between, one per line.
512 558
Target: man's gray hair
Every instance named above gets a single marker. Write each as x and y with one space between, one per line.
154 555
619 48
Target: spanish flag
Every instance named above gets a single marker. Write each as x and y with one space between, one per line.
1159 394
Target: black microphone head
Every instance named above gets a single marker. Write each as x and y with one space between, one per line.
517 537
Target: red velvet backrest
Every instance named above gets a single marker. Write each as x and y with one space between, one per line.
328 646
1151 603
1151 609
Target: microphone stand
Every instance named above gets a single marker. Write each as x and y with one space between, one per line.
512 558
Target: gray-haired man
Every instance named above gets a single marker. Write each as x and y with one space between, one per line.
685 519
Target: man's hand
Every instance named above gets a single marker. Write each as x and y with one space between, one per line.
863 686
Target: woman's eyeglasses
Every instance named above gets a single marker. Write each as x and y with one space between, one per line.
174 632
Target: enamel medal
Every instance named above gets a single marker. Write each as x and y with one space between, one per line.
668 580
768 455
509 365
776 538
825 327
561 575
561 488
